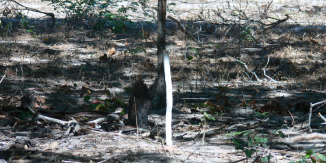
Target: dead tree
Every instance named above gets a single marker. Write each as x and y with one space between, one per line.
139 100
158 89
163 84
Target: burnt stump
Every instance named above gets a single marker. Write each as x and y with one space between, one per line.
139 104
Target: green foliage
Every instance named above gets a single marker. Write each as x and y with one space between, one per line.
246 103
195 50
253 142
257 114
203 105
105 105
102 105
168 7
280 133
87 98
316 157
25 25
100 14
151 14
5 50
20 15
6 30
138 49
25 115
127 89
246 34
117 23
207 117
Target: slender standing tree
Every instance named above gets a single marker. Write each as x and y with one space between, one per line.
164 85
140 95
160 82
169 99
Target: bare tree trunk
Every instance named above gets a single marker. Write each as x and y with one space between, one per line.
169 98
159 85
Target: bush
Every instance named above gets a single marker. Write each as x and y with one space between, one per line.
98 13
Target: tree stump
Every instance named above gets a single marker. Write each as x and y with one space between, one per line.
139 104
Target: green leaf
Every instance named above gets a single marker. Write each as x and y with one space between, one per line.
122 112
25 115
309 152
237 141
246 133
193 49
250 142
264 159
261 140
98 107
239 147
249 153
281 134
261 114
29 31
121 102
320 156
265 145
190 58
87 98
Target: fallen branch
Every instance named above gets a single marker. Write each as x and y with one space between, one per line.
3 77
310 112
73 124
264 70
110 117
31 9
322 117
40 116
245 65
307 137
272 25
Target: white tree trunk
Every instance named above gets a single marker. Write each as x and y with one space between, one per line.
169 98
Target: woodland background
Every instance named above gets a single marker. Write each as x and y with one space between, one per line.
242 84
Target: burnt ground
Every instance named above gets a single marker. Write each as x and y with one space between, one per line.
218 104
